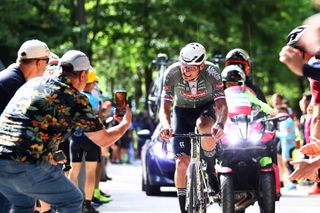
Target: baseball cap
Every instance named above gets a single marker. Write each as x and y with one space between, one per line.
77 59
92 76
33 49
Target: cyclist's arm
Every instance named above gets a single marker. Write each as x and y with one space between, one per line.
164 114
221 111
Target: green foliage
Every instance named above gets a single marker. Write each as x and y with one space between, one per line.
123 36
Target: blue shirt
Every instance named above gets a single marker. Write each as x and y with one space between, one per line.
11 79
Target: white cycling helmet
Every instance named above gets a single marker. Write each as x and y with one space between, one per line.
233 73
193 54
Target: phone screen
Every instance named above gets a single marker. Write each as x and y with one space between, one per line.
121 102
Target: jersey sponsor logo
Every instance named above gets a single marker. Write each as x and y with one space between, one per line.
196 96
213 72
166 88
218 86
181 144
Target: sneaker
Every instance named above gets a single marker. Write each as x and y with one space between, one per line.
104 194
105 178
97 196
290 187
315 190
88 208
306 183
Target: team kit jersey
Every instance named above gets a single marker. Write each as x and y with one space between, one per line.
192 94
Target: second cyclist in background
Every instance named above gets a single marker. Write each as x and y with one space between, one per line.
192 86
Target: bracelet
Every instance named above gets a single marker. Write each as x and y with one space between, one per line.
221 125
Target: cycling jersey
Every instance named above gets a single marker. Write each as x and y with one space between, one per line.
191 94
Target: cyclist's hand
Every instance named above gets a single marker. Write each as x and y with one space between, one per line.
217 132
166 133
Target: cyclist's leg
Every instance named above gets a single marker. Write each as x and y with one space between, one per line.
181 147
204 125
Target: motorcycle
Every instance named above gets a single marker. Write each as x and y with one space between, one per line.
247 167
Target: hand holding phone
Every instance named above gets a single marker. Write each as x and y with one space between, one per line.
59 156
121 102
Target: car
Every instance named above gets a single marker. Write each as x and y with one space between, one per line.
158 166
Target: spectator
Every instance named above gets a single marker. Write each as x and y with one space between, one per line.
42 113
32 59
81 146
297 53
305 119
287 136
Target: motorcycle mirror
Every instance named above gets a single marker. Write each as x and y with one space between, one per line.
280 117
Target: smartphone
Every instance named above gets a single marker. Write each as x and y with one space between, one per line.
59 156
121 102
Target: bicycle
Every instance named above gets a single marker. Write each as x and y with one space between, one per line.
197 198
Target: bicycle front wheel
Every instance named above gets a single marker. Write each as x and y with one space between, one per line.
193 201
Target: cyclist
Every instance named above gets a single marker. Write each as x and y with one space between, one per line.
191 86
241 58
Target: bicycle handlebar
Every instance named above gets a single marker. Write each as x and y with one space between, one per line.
192 134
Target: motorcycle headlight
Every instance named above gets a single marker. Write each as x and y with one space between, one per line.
233 139
254 137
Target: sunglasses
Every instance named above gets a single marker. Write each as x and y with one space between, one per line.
189 68
44 59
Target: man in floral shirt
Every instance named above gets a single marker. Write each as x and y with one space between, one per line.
42 113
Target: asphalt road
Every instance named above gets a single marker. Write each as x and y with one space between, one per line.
125 189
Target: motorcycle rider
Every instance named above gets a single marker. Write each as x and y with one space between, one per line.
233 75
191 86
242 59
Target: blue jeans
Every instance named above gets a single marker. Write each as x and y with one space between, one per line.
5 205
23 183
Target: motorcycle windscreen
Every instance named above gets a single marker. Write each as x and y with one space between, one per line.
239 100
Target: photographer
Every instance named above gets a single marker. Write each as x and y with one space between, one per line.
42 113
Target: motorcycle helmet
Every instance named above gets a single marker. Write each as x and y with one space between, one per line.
193 54
295 34
239 57
233 73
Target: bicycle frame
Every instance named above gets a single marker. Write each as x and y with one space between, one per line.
197 179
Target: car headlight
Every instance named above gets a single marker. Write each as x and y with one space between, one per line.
157 150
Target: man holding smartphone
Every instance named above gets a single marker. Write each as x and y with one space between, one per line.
42 114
